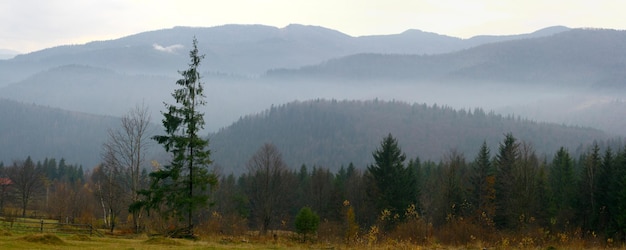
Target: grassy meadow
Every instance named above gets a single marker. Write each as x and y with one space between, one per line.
10 240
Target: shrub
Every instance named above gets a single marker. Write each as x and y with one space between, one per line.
413 230
457 231
306 222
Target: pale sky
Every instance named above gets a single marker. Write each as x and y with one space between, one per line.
30 25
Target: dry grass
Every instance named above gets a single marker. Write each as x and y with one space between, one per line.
45 239
282 241
162 241
79 237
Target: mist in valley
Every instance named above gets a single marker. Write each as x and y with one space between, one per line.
228 101
554 75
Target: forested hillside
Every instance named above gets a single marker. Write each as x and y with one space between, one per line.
43 132
89 89
329 133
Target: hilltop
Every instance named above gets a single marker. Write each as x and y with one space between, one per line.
330 133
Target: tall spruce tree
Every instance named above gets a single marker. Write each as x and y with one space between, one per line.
620 189
179 188
588 207
392 185
508 155
483 181
563 187
606 199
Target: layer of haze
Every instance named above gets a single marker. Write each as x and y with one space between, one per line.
30 25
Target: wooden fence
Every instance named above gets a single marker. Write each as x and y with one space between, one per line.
43 226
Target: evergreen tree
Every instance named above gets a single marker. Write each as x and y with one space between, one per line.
321 188
415 167
588 209
304 187
606 199
620 189
392 185
543 197
51 169
62 170
452 200
482 180
562 186
180 187
306 222
507 157
526 189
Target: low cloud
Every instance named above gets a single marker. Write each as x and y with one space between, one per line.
169 49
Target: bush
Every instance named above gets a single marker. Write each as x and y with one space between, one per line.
307 222
414 230
457 231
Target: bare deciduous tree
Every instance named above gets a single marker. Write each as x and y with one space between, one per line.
267 172
108 190
27 181
124 154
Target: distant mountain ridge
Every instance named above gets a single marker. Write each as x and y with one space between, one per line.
7 54
234 49
574 57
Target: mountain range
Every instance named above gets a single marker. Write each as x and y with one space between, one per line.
566 76
574 58
248 50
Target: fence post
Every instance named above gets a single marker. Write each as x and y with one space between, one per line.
90 230
41 227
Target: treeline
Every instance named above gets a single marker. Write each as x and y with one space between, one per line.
508 190
49 188
512 190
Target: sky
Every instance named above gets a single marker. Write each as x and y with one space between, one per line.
31 25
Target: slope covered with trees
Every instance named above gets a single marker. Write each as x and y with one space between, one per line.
38 131
333 133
